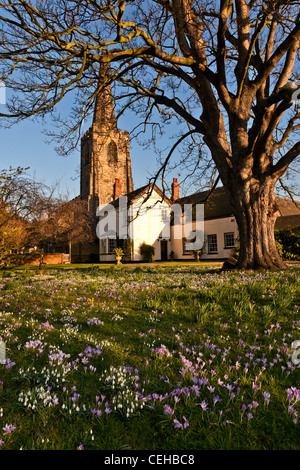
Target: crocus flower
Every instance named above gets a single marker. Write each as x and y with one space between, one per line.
178 425
186 423
266 396
168 410
204 405
8 428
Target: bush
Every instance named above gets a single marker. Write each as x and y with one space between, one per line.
288 243
126 245
147 252
127 248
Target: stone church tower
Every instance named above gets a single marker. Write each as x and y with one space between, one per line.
105 156
105 169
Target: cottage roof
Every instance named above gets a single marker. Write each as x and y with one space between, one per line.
144 191
218 206
287 222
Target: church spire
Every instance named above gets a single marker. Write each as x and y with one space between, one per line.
104 113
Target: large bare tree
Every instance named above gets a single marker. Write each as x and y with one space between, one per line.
227 69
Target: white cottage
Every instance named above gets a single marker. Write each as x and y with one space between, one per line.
140 216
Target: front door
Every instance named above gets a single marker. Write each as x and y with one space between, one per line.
164 250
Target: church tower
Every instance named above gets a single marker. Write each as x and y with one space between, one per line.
105 155
105 167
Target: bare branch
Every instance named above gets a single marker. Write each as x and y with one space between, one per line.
281 166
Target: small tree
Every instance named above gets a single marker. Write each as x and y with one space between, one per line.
31 214
64 222
20 197
13 235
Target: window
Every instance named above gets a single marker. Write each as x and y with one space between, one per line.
112 244
212 245
229 240
165 214
112 152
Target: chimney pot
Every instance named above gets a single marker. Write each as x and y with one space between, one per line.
175 189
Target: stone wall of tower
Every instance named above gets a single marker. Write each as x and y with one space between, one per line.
105 156
111 160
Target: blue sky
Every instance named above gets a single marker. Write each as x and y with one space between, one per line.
25 144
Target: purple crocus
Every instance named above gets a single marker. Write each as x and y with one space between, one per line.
186 423
8 428
178 425
204 405
266 396
168 410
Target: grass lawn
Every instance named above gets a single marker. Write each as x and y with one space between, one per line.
169 356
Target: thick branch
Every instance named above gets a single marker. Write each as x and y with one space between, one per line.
282 165
243 25
286 44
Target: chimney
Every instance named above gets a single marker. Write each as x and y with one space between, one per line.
175 190
117 188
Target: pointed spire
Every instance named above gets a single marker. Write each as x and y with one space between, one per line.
104 113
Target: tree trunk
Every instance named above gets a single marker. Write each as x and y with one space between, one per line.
256 211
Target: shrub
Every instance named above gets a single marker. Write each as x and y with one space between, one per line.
127 248
147 252
288 243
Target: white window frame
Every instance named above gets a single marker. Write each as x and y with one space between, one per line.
226 245
210 243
